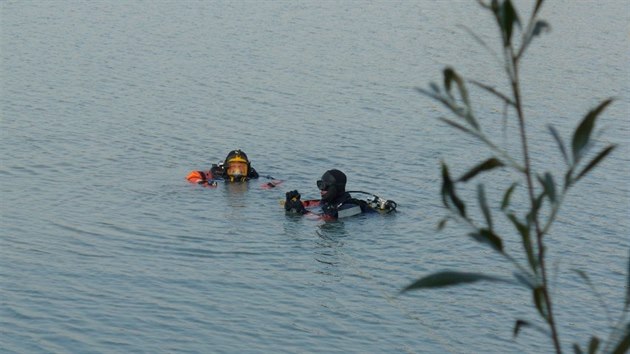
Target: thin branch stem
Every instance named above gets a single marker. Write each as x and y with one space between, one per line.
512 71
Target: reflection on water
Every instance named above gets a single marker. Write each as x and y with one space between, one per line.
234 192
329 242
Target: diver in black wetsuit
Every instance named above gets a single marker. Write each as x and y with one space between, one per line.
335 201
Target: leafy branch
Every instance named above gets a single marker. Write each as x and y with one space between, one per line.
541 188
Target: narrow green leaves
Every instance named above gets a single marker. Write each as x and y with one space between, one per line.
539 301
488 237
524 231
522 323
556 136
449 197
532 225
526 280
487 165
582 134
624 343
549 186
483 204
588 281
479 40
442 224
434 87
593 345
602 154
508 194
458 126
627 304
538 28
580 144
450 278
492 90
518 325
506 17
450 77
537 7
452 80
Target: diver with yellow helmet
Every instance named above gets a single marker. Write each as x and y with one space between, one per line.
235 168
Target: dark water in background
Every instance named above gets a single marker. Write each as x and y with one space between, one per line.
106 106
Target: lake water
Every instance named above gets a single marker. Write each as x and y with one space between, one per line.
106 106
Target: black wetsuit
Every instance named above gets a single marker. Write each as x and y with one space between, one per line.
344 206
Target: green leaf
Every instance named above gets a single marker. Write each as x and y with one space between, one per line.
489 237
576 349
483 204
539 27
523 230
582 134
487 165
431 94
593 345
568 178
451 76
539 300
556 136
458 126
506 17
549 186
538 202
628 288
435 87
522 323
595 161
448 193
518 325
507 196
447 185
537 7
588 281
479 40
624 343
484 5
449 278
525 279
442 224
493 91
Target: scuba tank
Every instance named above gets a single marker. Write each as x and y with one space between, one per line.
377 203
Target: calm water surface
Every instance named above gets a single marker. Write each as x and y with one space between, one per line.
106 106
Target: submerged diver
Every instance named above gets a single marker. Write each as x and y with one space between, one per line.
235 168
335 201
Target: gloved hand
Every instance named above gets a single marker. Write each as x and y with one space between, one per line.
293 203
293 195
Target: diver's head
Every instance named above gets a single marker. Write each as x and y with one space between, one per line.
332 185
236 165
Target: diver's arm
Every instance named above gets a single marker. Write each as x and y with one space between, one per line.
252 173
